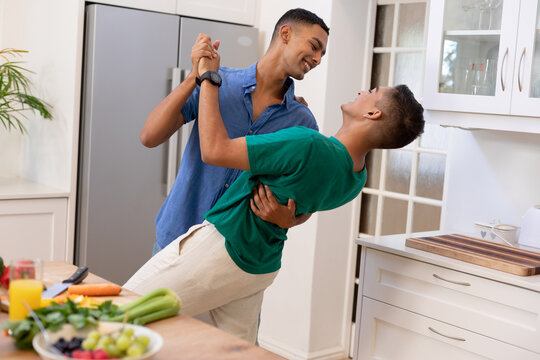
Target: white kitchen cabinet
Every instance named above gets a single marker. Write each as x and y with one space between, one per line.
34 228
390 333
483 61
165 6
234 11
418 305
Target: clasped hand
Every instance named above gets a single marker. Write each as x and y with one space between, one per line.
204 55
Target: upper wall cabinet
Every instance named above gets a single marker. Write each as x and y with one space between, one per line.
483 57
165 6
235 11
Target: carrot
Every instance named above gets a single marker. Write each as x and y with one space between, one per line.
60 299
105 289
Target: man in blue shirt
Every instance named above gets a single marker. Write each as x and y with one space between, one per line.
256 100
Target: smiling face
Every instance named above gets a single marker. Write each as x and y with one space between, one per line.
305 46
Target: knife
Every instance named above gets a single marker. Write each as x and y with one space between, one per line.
58 288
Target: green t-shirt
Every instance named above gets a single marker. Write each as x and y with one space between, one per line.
297 163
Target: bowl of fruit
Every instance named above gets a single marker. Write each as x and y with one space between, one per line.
109 340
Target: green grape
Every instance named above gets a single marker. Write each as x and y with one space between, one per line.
143 340
94 335
103 342
123 342
113 350
135 350
128 332
89 343
107 339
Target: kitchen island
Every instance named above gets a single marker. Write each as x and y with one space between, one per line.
185 338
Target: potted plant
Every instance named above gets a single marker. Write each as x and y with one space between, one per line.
15 97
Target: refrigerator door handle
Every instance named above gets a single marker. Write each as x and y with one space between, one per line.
173 159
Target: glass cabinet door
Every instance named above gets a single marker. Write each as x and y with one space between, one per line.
471 51
526 90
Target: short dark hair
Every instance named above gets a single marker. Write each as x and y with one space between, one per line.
404 118
299 16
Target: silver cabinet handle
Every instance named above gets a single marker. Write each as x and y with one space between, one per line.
172 153
519 69
451 281
502 67
446 336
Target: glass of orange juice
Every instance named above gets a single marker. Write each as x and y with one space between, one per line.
25 286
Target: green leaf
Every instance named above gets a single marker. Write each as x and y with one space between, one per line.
56 317
108 307
77 320
15 95
22 329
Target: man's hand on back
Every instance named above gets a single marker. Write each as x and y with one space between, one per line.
265 206
301 100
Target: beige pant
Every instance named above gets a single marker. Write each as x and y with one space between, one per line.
198 268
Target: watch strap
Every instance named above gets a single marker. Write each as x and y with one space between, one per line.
212 76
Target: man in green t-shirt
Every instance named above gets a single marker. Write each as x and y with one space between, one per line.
225 264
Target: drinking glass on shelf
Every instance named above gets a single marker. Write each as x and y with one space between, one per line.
484 15
470 13
465 77
479 86
24 285
493 5
487 8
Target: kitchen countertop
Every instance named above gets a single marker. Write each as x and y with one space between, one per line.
395 244
185 338
20 188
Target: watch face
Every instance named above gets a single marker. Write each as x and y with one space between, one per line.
215 78
211 76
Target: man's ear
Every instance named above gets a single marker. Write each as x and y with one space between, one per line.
374 114
285 33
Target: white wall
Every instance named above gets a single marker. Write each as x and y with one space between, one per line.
491 174
45 153
306 312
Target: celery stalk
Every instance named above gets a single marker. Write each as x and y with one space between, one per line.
158 315
148 296
155 305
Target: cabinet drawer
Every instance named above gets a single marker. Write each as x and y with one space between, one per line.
390 333
501 311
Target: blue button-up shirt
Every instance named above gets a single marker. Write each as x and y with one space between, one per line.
198 185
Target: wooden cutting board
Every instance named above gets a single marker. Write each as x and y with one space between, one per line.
480 252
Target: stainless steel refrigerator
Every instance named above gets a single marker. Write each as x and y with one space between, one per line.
132 60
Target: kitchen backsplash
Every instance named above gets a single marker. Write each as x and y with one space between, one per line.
490 175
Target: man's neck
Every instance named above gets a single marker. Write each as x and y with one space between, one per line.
351 137
270 79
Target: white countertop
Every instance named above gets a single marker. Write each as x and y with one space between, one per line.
395 244
19 188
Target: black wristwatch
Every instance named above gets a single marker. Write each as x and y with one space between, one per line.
211 76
